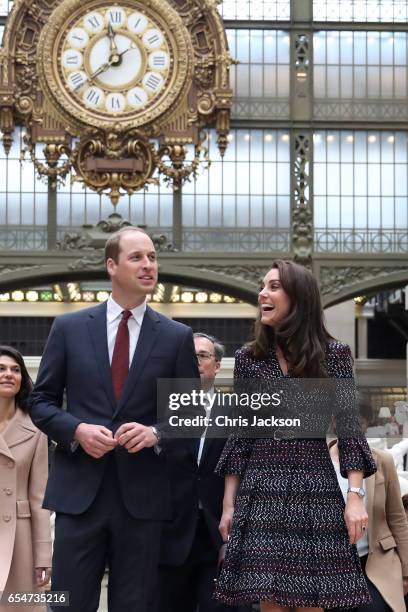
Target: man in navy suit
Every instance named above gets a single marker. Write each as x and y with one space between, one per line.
191 540
107 484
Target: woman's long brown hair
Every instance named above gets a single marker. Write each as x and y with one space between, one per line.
302 336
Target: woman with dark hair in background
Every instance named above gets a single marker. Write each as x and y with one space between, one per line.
25 534
291 540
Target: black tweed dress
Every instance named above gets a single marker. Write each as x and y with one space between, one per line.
289 541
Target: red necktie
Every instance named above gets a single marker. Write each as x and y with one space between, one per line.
120 357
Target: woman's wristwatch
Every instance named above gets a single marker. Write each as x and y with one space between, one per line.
359 490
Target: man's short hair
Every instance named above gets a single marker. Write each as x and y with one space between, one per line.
219 349
112 245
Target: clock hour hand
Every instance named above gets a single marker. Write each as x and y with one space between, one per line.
111 34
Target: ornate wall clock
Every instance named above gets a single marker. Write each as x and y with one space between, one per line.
103 63
131 82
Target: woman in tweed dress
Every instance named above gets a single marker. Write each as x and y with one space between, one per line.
291 540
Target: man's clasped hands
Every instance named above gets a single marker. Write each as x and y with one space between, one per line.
97 440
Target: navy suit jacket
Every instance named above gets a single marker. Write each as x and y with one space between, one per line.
189 483
76 360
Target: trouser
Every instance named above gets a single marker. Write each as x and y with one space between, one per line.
190 587
106 535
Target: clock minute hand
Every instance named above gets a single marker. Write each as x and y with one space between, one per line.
100 70
131 46
94 74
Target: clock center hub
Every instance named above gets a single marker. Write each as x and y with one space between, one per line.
115 60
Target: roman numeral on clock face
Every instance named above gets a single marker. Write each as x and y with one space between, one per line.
153 81
93 96
76 80
115 17
152 39
137 22
78 38
137 97
93 22
115 103
72 60
158 61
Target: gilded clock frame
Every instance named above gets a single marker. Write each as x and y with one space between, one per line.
69 109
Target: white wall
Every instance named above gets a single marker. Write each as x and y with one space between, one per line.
340 321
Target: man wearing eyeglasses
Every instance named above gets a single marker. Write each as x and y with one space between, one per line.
191 541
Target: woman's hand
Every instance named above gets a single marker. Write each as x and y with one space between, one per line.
356 517
226 522
42 576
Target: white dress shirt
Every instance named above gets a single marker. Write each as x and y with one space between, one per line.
113 318
207 416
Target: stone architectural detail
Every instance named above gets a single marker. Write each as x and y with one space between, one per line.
250 274
333 280
302 214
91 262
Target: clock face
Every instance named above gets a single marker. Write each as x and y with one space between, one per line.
121 65
115 60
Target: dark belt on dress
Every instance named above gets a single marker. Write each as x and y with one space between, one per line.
284 434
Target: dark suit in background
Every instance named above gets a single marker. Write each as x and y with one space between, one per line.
191 540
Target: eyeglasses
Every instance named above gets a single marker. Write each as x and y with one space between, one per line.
204 356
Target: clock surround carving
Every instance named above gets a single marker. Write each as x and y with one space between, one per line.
193 93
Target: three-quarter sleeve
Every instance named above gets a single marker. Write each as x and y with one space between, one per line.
234 458
354 451
237 450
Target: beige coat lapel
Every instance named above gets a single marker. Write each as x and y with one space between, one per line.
19 430
4 449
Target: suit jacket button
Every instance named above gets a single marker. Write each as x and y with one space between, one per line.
6 518
8 491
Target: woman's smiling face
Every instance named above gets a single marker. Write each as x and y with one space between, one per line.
273 301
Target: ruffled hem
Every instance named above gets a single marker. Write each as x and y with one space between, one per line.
293 601
355 454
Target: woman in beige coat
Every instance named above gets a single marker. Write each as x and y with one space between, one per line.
25 535
386 564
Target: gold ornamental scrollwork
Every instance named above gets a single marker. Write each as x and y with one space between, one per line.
112 162
55 168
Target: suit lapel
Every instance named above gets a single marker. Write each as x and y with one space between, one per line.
98 330
148 335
